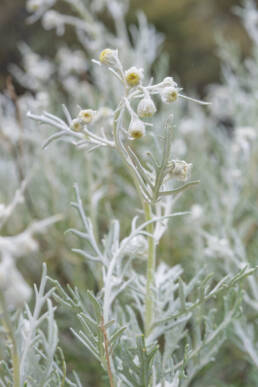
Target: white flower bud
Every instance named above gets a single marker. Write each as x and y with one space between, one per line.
86 115
33 5
169 94
76 125
179 169
168 82
53 19
137 246
146 107
109 57
134 76
136 128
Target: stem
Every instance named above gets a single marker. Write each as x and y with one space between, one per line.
106 346
14 353
93 215
151 264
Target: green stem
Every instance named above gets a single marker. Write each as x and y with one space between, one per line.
151 264
14 353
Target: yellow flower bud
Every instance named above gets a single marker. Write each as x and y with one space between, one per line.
108 57
86 115
133 76
136 128
146 108
76 125
169 94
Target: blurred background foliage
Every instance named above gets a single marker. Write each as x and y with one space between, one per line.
190 28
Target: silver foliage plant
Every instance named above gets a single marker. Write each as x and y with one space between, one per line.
148 324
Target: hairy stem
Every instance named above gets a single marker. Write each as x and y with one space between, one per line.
9 331
92 210
151 264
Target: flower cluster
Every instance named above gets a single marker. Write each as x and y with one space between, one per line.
84 118
133 81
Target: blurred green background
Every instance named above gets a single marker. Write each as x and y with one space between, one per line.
190 28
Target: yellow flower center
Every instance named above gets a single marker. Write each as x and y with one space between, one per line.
137 134
133 79
173 96
76 127
87 117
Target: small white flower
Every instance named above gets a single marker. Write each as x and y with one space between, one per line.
109 57
76 125
33 5
169 94
136 128
87 115
133 76
146 107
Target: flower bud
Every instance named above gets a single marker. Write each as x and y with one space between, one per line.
136 128
50 20
108 57
137 246
169 82
133 76
33 5
146 107
86 115
76 125
169 94
179 169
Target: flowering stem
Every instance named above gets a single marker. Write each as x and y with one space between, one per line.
14 353
151 264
